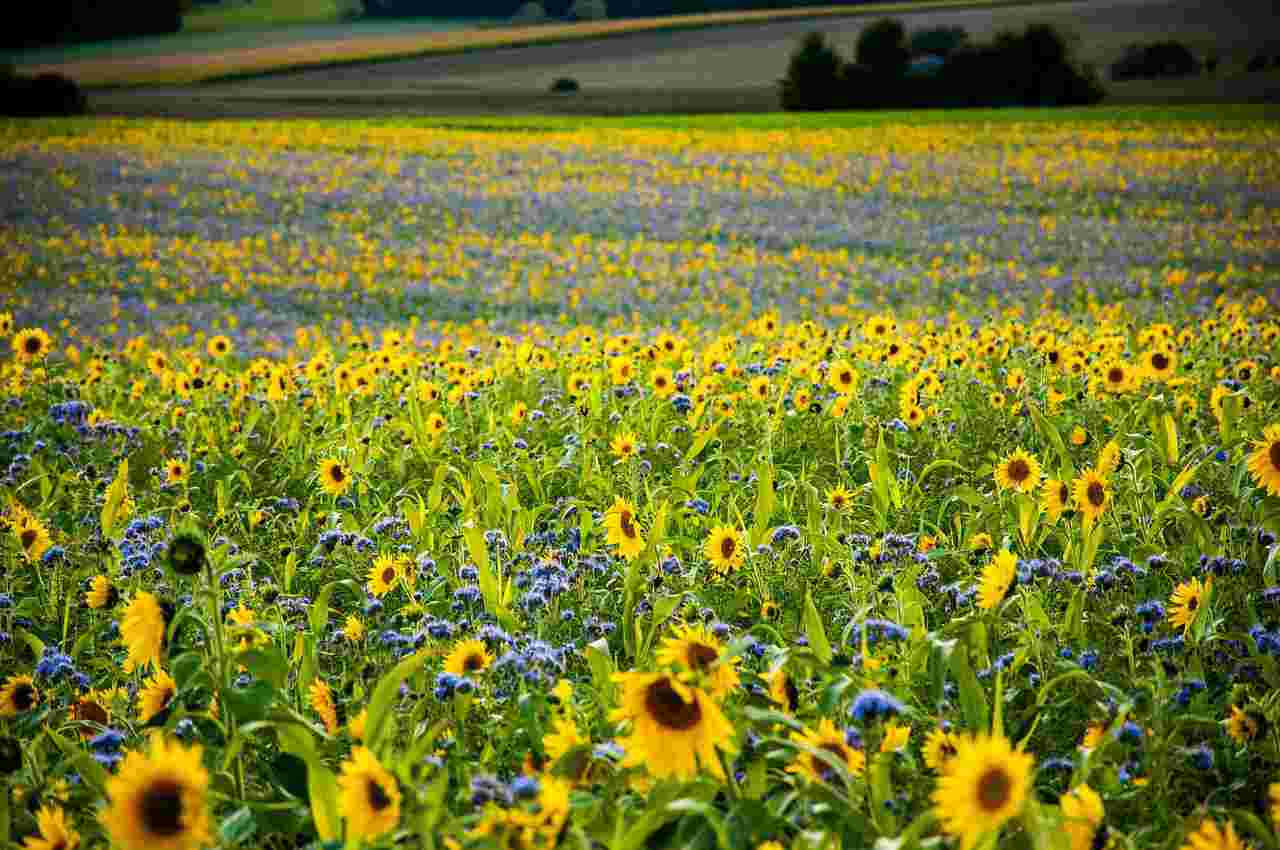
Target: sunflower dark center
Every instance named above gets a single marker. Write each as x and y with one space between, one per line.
1019 470
727 547
821 767
1160 360
472 663
1115 376
1097 494
1245 373
660 381
1193 603
24 696
378 798
838 500
665 705
701 656
90 710
994 789
846 377
160 809
32 345
28 537
336 473
1274 454
388 575
1064 493
626 524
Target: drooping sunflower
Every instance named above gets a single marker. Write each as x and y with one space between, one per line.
1019 471
694 649
32 536
334 477
142 630
370 796
828 739
997 578
782 690
940 748
467 658
1187 599
96 707
984 785
624 444
839 499
155 696
31 344
675 728
384 573
1264 462
18 696
159 799
1082 815
624 530
1093 495
1109 458
1210 836
724 548
1244 726
101 593
1055 498
55 832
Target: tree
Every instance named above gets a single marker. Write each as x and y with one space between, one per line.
588 10
529 13
813 78
882 47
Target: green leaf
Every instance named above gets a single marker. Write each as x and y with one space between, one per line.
266 664
318 616
185 668
766 500
973 702
600 660
238 827
384 697
290 773
250 703
479 552
815 631
700 442
117 492
91 773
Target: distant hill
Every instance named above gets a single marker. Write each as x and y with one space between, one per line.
561 8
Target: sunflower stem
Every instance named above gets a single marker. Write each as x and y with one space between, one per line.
224 670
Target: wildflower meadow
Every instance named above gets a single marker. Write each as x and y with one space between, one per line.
799 486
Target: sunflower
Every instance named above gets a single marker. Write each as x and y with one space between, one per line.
1210 836
1019 471
142 631
624 531
895 737
984 785
1264 462
158 799
1186 601
155 696
842 378
724 548
101 593
1093 495
699 652
1109 458
1079 436
18 696
31 344
1055 498
782 690
384 573
334 477
436 425
675 728
370 796
356 724
219 346
1118 377
175 471
830 740
940 748
759 388
321 698
1274 792
624 444
839 499
467 658
353 628
1082 815
96 707
1244 726
55 832
32 536
997 578
663 382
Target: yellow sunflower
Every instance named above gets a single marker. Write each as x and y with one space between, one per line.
839 499
18 696
1210 836
782 690
1109 458
142 631
467 658
1055 498
663 382
1243 726
1274 791
997 578
155 696
984 785
356 724
842 377
370 796
1019 471
1187 599
696 650
1159 364
624 530
1264 462
175 471
940 748
334 477
353 628
219 346
384 573
321 698
1093 495
624 444
724 548
32 536
1082 814
55 831
96 707
831 740
675 728
101 593
159 799
31 344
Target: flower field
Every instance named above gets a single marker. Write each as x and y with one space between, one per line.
618 486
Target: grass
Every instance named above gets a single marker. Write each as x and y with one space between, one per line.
242 63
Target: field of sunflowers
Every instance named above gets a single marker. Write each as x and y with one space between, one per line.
495 486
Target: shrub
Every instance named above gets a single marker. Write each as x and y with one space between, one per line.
938 41
588 10
1161 59
45 95
882 48
565 85
529 13
814 80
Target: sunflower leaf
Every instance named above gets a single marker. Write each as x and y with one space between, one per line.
384 697
814 630
117 492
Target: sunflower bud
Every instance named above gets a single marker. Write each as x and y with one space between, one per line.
187 552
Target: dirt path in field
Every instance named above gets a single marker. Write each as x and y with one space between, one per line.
732 68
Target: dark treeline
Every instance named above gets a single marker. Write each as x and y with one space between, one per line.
560 8
69 21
